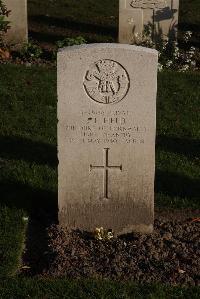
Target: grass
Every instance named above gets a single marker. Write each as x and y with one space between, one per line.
178 134
94 21
27 135
12 238
66 18
28 176
28 163
84 289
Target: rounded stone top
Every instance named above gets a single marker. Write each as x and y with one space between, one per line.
109 46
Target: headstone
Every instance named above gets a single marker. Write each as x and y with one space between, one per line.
138 16
18 32
106 137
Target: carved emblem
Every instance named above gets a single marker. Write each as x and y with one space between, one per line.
106 82
152 4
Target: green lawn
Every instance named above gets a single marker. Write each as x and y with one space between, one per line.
66 18
94 21
28 178
87 289
28 164
178 145
12 239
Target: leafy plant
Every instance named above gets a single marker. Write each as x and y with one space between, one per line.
66 42
171 56
4 12
4 24
31 51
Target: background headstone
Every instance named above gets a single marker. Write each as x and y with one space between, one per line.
106 137
135 16
18 33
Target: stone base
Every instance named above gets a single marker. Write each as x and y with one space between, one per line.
122 218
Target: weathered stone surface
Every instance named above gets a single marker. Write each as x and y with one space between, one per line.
135 16
18 33
106 137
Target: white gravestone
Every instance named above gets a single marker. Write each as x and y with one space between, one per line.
17 35
106 137
137 16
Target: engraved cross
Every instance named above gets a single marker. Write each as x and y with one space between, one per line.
106 167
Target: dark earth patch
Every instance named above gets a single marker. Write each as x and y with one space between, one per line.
169 255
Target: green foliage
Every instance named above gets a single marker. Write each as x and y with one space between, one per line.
31 51
68 41
4 24
171 56
79 40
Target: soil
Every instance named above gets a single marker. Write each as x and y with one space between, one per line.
171 254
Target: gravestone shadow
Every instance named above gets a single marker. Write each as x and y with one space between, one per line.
175 184
164 14
155 32
40 205
19 148
188 147
65 26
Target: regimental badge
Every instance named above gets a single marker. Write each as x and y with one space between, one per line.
106 82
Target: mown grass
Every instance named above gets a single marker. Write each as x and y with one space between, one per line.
178 140
28 164
12 239
96 21
90 289
87 18
27 135
28 178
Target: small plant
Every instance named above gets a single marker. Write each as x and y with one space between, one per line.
171 56
4 12
31 51
66 42
101 234
4 24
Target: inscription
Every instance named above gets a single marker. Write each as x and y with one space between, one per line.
102 112
106 82
106 167
152 4
106 127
